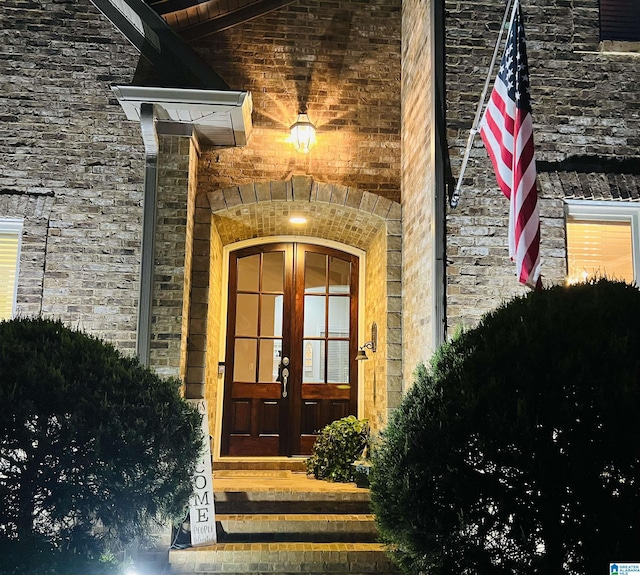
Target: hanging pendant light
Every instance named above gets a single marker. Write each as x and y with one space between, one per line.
303 134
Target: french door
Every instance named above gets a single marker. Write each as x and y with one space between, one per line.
291 347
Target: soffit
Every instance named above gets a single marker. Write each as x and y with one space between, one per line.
194 19
220 118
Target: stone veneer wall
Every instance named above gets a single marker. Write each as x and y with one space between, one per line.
418 180
67 150
585 103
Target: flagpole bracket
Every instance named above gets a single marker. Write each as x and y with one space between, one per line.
454 198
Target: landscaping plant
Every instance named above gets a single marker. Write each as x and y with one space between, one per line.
93 448
337 447
517 452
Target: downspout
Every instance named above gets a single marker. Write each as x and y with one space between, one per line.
147 248
439 278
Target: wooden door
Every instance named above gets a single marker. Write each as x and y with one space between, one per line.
291 346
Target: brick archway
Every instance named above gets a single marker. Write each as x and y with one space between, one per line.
340 214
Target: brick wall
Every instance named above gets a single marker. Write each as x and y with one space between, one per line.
417 184
340 59
34 209
375 368
188 260
383 305
215 324
64 141
169 257
585 103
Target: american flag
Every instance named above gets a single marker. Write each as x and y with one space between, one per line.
507 132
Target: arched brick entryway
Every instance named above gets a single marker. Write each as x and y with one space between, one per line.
336 215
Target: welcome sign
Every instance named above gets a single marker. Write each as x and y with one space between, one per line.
201 507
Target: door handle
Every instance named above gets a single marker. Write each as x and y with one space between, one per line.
285 376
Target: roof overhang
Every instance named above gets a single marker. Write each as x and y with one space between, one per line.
214 117
174 61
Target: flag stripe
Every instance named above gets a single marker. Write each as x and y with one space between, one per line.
506 129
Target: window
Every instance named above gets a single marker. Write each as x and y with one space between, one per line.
620 20
10 240
603 240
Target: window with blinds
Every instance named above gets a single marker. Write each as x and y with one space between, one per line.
620 20
599 249
10 240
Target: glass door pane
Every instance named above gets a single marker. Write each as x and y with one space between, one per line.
339 276
244 366
315 273
249 273
247 314
339 316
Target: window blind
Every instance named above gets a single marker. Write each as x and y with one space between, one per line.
10 236
620 20
597 249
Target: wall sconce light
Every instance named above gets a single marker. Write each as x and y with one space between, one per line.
372 344
303 134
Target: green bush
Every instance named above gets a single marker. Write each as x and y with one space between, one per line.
518 451
338 445
93 448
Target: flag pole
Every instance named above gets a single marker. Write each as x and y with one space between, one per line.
455 197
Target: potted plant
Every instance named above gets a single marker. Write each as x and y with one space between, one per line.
336 449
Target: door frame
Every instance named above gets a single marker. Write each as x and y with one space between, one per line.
361 254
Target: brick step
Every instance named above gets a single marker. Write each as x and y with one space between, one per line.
317 528
283 502
298 464
282 558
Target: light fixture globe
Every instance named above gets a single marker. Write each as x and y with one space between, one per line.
303 134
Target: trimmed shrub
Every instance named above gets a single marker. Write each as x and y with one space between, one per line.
337 447
518 451
93 447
